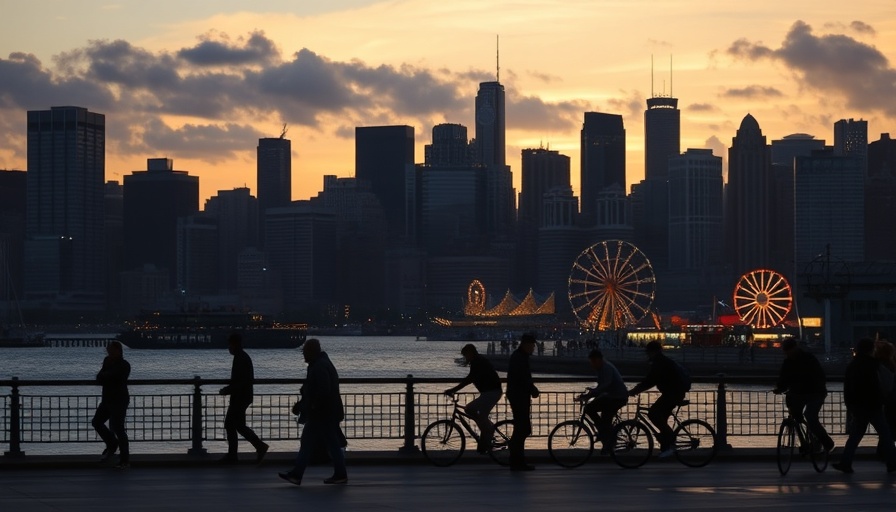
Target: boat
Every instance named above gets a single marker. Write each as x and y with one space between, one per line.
209 330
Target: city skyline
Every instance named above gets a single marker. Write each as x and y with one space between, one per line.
201 84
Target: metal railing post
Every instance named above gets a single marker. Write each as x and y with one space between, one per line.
196 422
722 415
15 424
409 421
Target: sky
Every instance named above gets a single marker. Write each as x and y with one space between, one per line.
200 81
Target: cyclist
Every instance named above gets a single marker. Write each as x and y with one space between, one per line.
673 382
485 378
607 398
803 378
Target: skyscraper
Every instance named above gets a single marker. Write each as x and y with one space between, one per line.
153 201
543 170
695 210
449 146
603 159
662 136
490 125
749 224
880 200
851 139
65 205
384 157
236 212
273 176
828 208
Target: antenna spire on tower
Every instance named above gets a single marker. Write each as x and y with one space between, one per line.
497 57
652 95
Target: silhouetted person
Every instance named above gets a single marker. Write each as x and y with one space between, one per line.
520 391
113 407
885 353
803 378
240 389
673 383
322 410
864 405
606 399
485 378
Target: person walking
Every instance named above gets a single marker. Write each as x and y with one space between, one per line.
605 400
322 410
804 381
520 392
886 356
864 405
673 383
113 406
240 389
484 377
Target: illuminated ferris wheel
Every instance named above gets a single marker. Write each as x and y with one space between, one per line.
611 285
762 298
475 298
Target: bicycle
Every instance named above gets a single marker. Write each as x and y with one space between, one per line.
571 442
791 430
443 442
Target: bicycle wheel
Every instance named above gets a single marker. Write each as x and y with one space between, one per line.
500 451
442 443
570 443
632 444
817 454
695 443
786 438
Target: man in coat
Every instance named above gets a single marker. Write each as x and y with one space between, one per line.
520 392
240 389
113 377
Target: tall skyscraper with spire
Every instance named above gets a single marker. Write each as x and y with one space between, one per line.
749 224
65 204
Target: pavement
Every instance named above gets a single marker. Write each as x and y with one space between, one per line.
386 482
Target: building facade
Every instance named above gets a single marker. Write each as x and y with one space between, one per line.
695 210
603 158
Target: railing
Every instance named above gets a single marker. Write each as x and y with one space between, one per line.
190 411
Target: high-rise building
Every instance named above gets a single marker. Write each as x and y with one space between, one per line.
449 146
828 208
153 201
452 210
880 200
662 135
851 139
198 253
695 210
384 157
236 212
748 221
542 171
12 236
273 176
603 159
65 209
490 125
560 240
114 234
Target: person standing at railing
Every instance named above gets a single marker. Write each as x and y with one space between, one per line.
113 407
240 389
886 355
322 410
606 399
803 378
520 392
864 404
673 383
484 377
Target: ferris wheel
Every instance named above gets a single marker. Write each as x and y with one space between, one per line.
475 298
762 298
611 285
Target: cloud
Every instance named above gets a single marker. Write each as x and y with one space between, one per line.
752 91
701 107
257 49
832 64
203 88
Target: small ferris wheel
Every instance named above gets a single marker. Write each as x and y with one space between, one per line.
762 298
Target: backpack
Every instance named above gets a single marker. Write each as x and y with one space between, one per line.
684 376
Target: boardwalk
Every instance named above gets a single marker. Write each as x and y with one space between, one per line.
733 484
